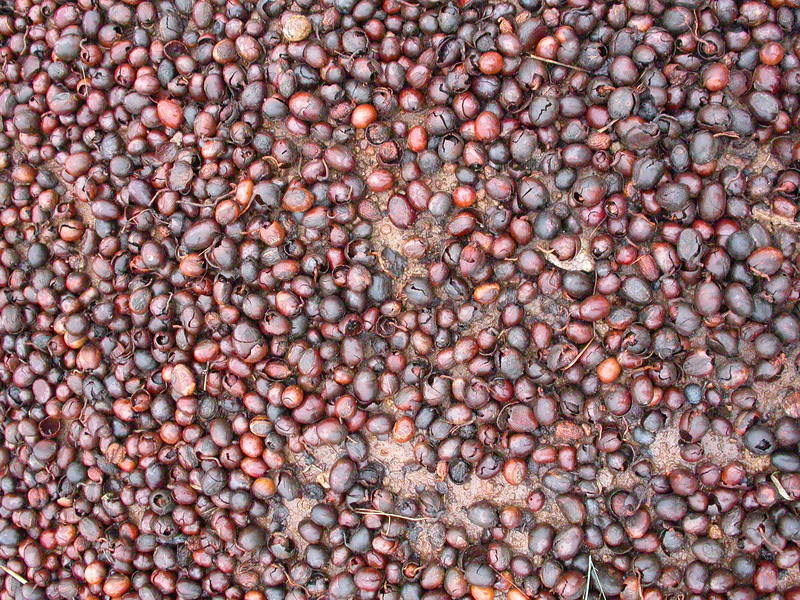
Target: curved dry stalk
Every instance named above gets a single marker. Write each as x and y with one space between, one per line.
779 486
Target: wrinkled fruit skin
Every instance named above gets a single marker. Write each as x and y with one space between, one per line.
399 300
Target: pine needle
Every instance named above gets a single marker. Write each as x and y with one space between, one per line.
588 579
15 575
591 576
580 354
597 583
380 513
557 63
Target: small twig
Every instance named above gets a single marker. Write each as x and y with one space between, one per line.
380 513
555 62
15 575
767 543
510 580
608 126
639 583
577 358
290 581
455 428
500 413
25 42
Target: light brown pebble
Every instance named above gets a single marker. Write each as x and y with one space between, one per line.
183 382
296 28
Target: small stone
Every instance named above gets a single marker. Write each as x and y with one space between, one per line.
567 431
296 28
183 382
